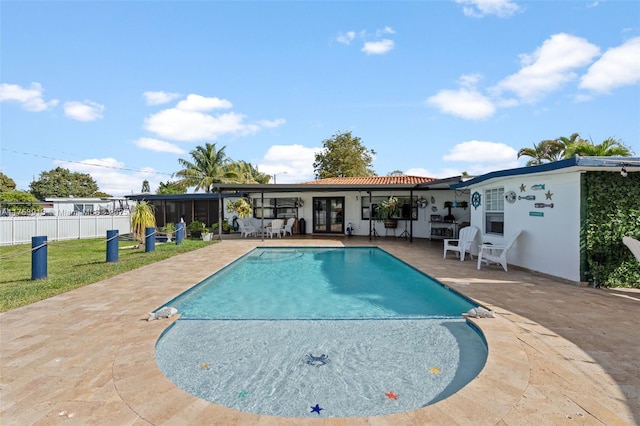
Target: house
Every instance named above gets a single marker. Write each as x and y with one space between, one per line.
72 206
572 213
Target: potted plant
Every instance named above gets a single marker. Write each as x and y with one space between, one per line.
169 229
226 228
388 211
142 218
196 228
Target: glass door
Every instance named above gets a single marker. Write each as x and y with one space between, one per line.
328 215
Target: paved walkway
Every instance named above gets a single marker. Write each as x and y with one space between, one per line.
558 354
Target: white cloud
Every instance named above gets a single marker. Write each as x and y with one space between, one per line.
619 66
549 67
157 145
418 171
480 8
201 103
378 47
468 104
291 163
159 98
346 38
482 151
271 123
112 175
188 121
385 30
83 111
30 99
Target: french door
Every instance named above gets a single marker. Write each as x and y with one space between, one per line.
328 215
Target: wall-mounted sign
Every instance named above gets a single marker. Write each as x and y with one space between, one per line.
536 214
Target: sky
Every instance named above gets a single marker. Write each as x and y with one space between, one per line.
123 89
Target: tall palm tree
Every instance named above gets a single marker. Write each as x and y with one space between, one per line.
208 166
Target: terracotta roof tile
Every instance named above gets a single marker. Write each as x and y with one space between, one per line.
372 180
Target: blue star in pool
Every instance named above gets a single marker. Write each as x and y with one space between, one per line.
316 409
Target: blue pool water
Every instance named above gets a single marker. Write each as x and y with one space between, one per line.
314 283
353 331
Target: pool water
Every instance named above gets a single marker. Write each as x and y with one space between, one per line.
350 332
319 283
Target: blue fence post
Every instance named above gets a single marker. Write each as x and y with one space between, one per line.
149 239
112 245
38 258
179 232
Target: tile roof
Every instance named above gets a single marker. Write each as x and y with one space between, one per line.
372 180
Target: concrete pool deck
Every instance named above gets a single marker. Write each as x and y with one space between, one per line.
558 353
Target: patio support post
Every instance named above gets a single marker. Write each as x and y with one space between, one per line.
370 213
38 257
220 214
411 216
262 217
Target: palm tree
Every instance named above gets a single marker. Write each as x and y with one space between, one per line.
243 172
208 166
563 147
610 147
547 150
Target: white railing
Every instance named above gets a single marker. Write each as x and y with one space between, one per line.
20 229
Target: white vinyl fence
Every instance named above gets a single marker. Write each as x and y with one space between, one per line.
20 229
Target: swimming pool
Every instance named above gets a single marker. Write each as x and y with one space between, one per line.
302 332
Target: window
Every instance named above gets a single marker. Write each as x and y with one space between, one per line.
408 206
494 211
273 208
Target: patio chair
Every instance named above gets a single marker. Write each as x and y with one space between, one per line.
288 228
275 228
634 246
462 244
494 253
246 229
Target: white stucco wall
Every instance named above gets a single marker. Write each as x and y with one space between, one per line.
352 210
549 244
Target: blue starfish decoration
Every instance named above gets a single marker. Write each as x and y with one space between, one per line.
316 409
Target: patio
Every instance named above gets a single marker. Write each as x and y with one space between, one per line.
558 354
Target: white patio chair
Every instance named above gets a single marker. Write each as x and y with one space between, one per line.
462 244
275 228
494 253
634 246
246 229
288 228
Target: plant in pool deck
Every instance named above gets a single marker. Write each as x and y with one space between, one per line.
388 212
141 218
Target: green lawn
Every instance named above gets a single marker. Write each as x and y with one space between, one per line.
72 264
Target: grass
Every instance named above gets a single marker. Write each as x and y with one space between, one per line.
73 264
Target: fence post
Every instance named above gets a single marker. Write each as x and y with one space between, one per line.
38 257
179 232
112 245
149 239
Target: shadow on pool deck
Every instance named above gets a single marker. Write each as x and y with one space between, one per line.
558 354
